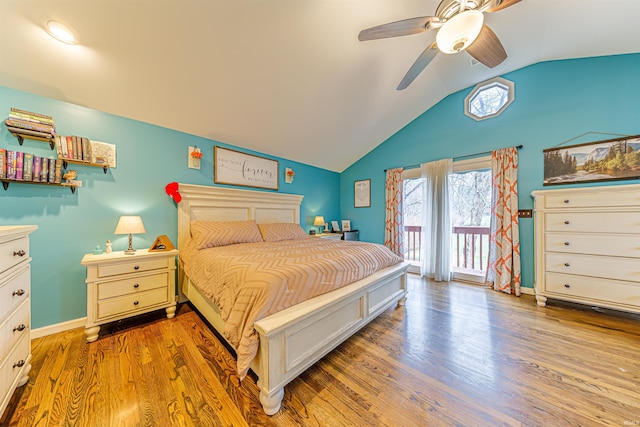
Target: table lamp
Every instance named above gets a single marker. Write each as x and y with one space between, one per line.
319 221
130 225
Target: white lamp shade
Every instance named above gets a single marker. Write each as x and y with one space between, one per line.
319 220
460 31
130 225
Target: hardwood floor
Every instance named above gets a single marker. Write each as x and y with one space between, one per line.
456 354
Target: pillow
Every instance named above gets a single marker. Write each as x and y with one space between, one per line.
281 231
207 234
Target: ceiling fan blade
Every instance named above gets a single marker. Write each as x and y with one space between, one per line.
503 5
421 63
395 29
487 48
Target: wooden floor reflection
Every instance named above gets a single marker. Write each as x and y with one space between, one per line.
456 354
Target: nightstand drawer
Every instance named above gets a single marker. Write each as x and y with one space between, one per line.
10 367
13 329
133 266
132 303
131 286
14 291
13 252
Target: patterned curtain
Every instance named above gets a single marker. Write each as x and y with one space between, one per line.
393 227
503 273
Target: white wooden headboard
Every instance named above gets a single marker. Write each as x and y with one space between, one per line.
207 203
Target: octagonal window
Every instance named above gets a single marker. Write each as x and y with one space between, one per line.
489 99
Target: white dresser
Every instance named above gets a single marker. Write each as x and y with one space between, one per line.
15 309
587 246
121 286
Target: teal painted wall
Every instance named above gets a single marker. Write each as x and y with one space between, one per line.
554 102
148 157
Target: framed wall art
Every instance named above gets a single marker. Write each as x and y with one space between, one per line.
607 160
236 168
362 193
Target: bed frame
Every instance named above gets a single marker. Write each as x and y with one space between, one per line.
294 339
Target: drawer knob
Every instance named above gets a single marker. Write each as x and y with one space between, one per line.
20 328
566 200
566 285
136 303
136 286
567 243
566 264
19 292
566 222
19 364
137 267
21 252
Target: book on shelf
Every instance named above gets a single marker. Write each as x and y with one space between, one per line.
37 168
86 149
11 164
70 148
23 124
29 132
30 115
19 165
27 167
3 163
52 170
44 171
58 172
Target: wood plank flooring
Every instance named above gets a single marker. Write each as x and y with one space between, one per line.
456 354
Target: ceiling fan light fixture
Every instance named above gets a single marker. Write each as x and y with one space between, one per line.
61 32
460 31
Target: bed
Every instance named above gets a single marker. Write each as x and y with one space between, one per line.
295 338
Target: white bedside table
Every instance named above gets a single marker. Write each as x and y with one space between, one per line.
121 286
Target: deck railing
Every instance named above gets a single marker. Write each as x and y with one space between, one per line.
469 246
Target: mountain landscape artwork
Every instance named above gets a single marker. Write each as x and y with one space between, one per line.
594 161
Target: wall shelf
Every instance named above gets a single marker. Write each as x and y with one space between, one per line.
6 182
65 163
21 137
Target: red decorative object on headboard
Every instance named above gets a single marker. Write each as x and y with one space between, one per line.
172 191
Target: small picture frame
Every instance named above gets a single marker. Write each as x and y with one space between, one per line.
335 226
346 225
362 193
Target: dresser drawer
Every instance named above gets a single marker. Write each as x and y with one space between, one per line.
624 245
13 291
10 367
132 303
132 286
13 252
616 268
14 328
593 200
133 266
594 222
603 290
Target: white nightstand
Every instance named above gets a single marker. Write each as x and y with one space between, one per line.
121 286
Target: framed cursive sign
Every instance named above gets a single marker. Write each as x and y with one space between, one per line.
236 168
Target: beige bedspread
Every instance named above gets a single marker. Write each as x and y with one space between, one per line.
250 281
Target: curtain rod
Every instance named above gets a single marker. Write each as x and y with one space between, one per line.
456 158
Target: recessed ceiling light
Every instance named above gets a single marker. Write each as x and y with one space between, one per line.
61 32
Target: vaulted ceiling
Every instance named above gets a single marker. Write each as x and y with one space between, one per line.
287 78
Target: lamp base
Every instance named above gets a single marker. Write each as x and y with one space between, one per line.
130 252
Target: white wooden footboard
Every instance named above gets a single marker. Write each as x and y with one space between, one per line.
294 339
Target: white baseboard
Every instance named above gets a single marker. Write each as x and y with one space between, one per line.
58 327
528 291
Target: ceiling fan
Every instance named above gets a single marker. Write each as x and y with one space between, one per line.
460 26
